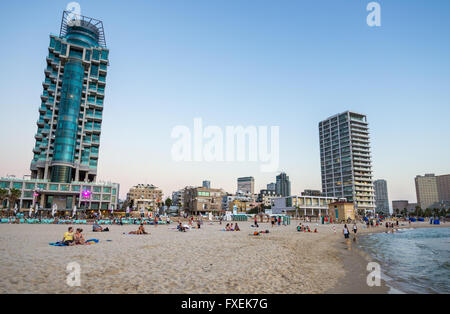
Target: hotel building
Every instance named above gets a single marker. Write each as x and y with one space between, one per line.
66 152
345 159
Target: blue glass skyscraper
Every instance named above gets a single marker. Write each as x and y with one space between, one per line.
69 125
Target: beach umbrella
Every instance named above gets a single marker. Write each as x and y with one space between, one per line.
54 209
74 211
30 212
15 209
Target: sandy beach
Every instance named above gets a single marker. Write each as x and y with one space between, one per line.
207 260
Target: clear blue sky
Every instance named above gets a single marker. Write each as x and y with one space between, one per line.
287 63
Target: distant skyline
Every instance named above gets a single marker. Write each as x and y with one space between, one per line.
282 63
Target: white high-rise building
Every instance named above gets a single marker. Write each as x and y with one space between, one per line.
345 159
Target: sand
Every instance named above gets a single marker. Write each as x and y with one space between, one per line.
166 261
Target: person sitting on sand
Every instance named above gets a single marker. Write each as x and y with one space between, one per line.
140 230
96 227
68 237
79 238
181 228
236 227
228 227
300 227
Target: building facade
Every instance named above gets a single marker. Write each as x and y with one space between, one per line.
271 186
266 197
443 185
145 195
345 157
246 185
200 200
381 196
46 194
426 190
206 184
71 111
66 151
312 193
302 206
283 185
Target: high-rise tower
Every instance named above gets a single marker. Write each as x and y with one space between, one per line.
345 159
70 115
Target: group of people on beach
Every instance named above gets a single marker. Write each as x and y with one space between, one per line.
229 227
70 238
305 228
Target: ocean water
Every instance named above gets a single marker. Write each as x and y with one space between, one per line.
412 260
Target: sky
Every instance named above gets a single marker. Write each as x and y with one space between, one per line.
243 62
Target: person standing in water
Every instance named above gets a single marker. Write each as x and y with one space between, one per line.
346 232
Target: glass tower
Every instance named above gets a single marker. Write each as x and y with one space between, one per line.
345 159
381 196
70 115
283 185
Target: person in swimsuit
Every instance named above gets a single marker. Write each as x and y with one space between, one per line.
79 238
140 230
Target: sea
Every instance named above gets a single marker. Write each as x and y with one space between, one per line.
412 260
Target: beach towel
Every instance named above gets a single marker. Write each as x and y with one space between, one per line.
59 243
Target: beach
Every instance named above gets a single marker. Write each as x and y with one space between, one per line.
205 260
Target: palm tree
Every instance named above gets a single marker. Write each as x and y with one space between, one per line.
3 196
421 214
168 203
14 195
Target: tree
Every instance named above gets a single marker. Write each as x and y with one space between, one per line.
417 211
421 212
397 211
3 196
14 195
168 203
435 212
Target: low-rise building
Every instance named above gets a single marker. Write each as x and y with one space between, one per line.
83 195
200 200
342 211
301 206
266 197
144 195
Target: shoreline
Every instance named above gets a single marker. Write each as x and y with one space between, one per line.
355 260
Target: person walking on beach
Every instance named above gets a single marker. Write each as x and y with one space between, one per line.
273 221
346 232
256 222
355 228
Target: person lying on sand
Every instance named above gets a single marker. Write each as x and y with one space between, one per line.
68 237
140 230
